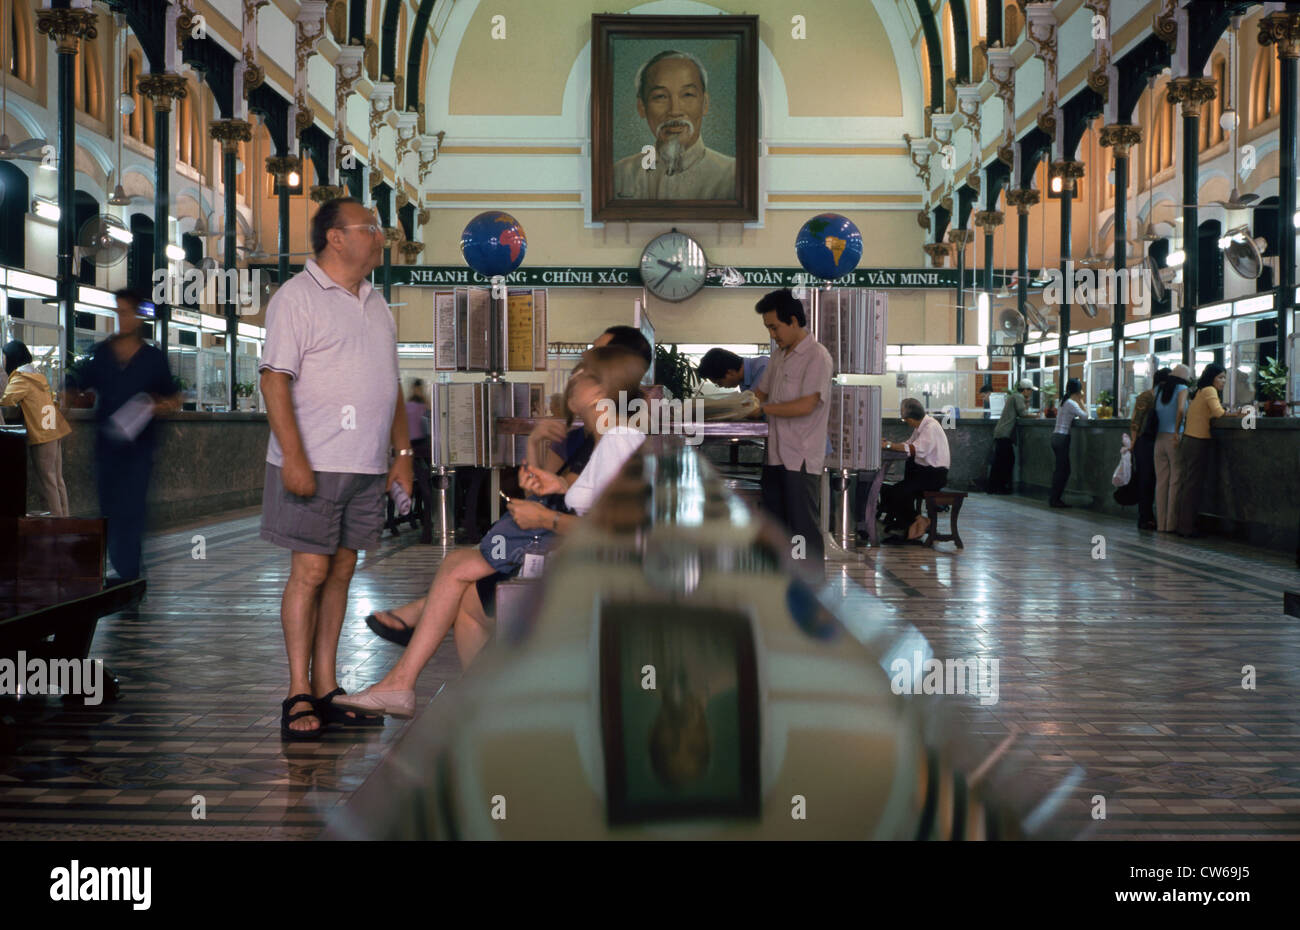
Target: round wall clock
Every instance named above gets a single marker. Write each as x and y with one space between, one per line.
673 266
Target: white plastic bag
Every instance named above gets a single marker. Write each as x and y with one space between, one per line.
1124 471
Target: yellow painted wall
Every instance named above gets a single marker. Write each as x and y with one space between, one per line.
844 66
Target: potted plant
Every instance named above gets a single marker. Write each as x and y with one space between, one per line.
674 371
244 392
1271 387
1105 405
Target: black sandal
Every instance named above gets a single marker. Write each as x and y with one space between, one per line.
341 715
289 733
400 637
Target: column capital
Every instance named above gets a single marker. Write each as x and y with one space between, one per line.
923 219
1191 93
1022 199
988 220
392 236
281 165
959 237
938 253
67 26
1121 136
162 87
323 193
410 250
1068 172
1283 30
230 132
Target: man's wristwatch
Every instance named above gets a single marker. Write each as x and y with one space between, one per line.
406 452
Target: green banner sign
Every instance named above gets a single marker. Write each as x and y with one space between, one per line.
769 278
558 276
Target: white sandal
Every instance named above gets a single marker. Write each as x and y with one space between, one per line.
399 704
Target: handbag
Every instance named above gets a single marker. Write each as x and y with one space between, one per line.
505 544
1125 478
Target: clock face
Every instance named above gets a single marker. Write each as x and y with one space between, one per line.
673 267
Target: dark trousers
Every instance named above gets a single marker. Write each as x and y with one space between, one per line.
1004 462
899 499
1061 473
424 486
1193 462
122 474
794 499
1144 465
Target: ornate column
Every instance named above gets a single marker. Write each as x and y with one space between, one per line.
392 236
381 104
1022 199
959 238
67 27
162 88
1068 172
1120 137
1282 30
1002 72
347 71
280 166
1191 93
230 132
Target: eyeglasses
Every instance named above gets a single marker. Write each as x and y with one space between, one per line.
370 228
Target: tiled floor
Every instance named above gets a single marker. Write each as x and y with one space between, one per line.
1129 668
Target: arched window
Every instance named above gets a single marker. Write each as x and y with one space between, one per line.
923 53
89 82
1264 86
1211 130
1162 145
21 62
14 204
1012 23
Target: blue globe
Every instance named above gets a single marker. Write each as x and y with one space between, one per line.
494 243
829 246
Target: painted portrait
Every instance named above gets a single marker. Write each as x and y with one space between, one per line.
674 116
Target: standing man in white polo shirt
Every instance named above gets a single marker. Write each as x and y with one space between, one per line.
794 392
329 376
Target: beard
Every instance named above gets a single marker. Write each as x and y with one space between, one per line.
671 150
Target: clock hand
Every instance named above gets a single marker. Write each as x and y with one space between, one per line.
675 266
665 277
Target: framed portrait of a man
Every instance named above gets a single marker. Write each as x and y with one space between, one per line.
674 117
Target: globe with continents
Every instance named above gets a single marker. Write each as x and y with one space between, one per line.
829 246
493 243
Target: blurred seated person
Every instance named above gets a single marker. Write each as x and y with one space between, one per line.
926 470
728 370
453 603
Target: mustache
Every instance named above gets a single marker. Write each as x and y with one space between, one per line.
673 123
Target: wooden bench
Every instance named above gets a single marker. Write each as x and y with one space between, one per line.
933 501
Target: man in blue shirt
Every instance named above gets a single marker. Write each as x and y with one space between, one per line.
121 368
728 370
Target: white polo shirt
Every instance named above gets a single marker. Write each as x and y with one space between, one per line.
931 444
341 351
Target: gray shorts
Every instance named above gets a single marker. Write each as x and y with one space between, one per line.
347 512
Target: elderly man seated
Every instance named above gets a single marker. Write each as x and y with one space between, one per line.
926 470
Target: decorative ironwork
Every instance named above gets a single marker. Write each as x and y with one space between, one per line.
1191 93
67 26
323 193
1022 198
938 253
1120 136
410 250
306 115
1068 171
230 132
988 220
923 219
281 165
162 88
1165 25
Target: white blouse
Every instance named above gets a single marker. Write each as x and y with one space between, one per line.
610 455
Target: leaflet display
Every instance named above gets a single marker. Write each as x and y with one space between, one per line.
850 322
465 319
854 426
464 418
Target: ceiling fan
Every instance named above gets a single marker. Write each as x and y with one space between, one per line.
9 151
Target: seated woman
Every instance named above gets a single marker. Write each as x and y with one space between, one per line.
398 624
453 599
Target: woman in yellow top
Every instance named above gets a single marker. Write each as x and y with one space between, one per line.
46 426
1198 445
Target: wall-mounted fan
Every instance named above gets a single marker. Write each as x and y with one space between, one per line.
104 240
1011 326
1034 316
1161 278
1245 255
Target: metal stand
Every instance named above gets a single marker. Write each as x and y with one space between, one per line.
443 522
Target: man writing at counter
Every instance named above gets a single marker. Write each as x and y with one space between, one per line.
794 393
926 470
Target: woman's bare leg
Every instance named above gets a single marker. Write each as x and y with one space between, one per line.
459 570
473 627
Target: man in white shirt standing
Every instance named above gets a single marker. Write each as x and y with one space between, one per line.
926 469
330 379
794 392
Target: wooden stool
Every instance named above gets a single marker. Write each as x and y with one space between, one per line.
933 501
